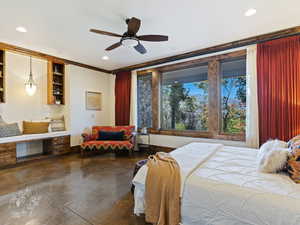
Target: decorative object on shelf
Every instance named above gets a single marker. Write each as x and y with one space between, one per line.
30 84
93 100
56 81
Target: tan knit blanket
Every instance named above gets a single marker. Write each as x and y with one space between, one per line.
162 194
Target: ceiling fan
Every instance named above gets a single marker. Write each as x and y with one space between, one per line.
129 38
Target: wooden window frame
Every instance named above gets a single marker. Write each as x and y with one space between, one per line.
214 97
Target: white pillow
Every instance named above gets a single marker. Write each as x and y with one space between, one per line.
269 145
272 156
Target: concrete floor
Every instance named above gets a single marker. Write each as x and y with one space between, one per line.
69 190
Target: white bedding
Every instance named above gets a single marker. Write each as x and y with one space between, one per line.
226 189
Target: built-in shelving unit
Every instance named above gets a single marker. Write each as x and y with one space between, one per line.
2 75
56 83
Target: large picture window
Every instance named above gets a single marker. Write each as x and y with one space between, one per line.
184 99
201 98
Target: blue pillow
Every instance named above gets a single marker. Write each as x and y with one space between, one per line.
110 136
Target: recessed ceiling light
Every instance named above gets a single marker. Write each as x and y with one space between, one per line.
250 12
21 29
105 57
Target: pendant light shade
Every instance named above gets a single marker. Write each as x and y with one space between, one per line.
30 85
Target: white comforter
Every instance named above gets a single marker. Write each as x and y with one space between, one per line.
226 189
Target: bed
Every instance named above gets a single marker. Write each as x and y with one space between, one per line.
221 186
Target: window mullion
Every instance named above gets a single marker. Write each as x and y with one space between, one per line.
155 99
214 97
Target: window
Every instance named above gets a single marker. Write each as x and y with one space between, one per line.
233 95
184 99
200 98
144 96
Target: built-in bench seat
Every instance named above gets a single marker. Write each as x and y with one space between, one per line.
33 137
54 143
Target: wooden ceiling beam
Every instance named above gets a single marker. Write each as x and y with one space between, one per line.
218 48
37 54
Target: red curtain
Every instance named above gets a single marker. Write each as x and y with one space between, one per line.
278 76
122 95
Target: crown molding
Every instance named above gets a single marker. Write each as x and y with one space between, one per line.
217 48
37 54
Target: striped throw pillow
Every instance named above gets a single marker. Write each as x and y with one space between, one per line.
57 124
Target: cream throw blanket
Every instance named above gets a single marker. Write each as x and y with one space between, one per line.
162 196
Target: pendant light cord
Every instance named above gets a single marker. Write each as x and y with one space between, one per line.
30 67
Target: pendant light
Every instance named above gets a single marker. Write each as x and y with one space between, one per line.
30 85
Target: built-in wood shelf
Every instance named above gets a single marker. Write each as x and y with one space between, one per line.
56 83
2 76
58 74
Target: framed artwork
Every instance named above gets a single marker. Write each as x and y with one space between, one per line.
93 100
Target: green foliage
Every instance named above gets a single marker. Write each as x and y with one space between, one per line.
234 110
177 94
241 90
183 111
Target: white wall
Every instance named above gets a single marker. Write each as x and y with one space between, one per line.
80 81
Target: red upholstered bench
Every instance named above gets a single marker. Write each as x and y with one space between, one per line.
90 142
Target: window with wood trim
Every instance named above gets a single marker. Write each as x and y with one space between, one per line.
144 104
200 98
233 95
184 99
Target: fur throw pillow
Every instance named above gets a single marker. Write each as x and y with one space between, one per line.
272 156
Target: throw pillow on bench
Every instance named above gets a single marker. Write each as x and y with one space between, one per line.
35 127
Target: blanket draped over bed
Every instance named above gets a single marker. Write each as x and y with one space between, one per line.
162 194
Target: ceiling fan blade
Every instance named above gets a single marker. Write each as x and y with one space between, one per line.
153 38
105 33
133 26
118 44
140 48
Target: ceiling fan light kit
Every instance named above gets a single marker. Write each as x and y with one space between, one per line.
129 38
129 41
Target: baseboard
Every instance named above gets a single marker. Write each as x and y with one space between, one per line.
156 148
